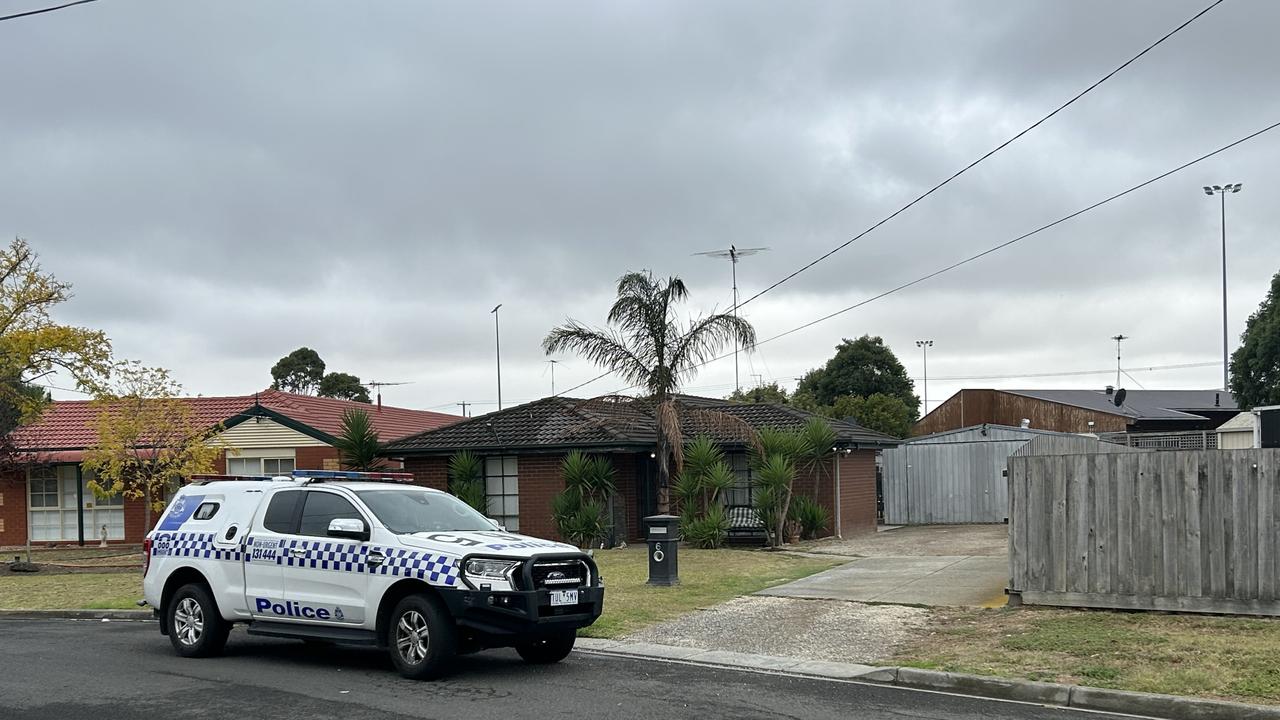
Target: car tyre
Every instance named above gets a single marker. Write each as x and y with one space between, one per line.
421 638
196 628
548 649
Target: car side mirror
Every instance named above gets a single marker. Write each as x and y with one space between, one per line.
497 525
353 528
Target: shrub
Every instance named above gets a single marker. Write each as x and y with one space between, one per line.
580 511
466 480
707 531
812 516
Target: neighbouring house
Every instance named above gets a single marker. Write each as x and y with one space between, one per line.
1174 419
523 448
958 476
1256 428
271 432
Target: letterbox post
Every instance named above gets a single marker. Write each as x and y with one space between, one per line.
663 535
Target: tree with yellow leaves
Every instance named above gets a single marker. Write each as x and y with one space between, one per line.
32 345
149 438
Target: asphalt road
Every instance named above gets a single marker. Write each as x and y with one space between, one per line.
92 670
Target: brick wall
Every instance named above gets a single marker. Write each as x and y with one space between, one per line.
13 509
316 458
432 472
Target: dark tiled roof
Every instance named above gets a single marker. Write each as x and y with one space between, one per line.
560 422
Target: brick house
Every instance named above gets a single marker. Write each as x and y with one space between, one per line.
523 448
271 432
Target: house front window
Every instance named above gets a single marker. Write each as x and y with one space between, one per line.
54 506
268 462
740 493
502 488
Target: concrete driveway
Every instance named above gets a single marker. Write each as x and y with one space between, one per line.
917 565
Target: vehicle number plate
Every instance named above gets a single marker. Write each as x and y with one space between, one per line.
564 597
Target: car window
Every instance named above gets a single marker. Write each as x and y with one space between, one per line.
282 512
321 508
411 510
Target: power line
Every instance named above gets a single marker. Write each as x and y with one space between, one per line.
991 152
990 250
50 9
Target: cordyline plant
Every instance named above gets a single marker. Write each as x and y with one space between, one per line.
357 443
466 480
580 511
704 477
650 347
775 463
149 438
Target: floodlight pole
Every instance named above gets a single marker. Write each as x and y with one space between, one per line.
1222 190
497 347
924 346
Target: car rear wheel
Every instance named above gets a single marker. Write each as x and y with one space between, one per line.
196 628
421 637
548 649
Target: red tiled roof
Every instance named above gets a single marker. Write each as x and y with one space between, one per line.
69 424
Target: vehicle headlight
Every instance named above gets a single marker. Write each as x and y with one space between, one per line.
500 574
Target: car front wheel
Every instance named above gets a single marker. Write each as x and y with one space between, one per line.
421 638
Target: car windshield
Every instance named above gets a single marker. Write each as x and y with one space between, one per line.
411 510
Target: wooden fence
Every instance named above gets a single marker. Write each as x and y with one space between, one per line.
1177 530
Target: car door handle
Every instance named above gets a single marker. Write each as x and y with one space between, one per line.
374 559
296 552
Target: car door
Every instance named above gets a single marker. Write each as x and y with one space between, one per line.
326 578
264 554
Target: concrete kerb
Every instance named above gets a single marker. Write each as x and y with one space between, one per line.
77 614
1042 693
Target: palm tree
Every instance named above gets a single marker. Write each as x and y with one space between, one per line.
651 348
358 443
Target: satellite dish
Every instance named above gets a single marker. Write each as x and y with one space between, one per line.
1119 398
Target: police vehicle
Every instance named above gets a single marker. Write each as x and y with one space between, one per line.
362 559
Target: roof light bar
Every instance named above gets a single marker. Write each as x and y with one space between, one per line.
349 475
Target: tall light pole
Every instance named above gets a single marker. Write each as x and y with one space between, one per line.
1222 190
497 347
1119 339
924 346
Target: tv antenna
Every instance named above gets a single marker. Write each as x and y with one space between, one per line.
377 388
1118 339
733 253
551 365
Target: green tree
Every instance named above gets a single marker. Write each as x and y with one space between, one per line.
343 386
298 372
1255 365
357 443
862 368
148 437
651 347
32 345
781 453
466 480
771 393
879 412
580 511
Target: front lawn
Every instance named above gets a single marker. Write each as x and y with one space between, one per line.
707 577
1219 657
71 591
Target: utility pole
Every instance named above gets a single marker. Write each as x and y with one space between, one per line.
464 408
1118 339
924 346
1222 190
497 347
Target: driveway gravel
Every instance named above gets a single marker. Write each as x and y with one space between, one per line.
811 629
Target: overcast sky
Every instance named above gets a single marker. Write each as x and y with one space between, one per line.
223 181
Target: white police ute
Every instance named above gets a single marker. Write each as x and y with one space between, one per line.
361 559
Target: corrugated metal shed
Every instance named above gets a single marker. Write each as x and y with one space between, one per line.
957 477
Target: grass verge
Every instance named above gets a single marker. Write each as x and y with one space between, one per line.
73 591
707 577
1230 658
